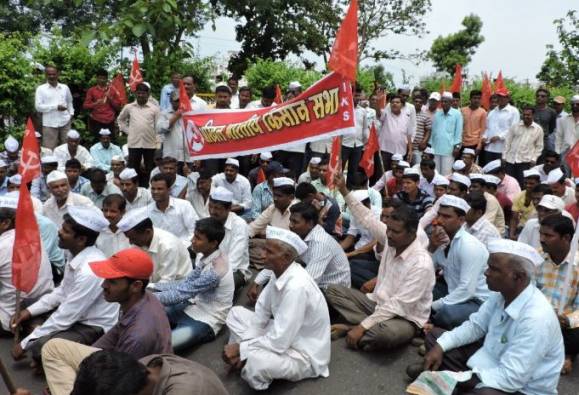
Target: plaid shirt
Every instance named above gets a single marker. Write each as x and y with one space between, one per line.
551 279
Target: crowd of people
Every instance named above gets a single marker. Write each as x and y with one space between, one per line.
460 243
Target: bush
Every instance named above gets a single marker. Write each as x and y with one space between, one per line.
268 72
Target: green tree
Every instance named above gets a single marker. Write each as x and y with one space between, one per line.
457 48
370 76
266 72
562 67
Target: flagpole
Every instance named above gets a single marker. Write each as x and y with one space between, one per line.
7 378
17 314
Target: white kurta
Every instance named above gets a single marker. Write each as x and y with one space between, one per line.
110 243
288 335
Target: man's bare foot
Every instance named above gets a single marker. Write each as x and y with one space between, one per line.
567 366
339 330
427 327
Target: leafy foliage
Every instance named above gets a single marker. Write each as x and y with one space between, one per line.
457 48
268 72
369 76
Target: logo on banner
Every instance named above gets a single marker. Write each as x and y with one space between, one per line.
194 136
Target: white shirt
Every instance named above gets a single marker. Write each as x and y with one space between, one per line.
569 196
363 118
200 205
198 104
530 233
240 187
110 243
173 138
499 121
55 213
142 199
78 299
357 229
566 133
294 315
323 146
43 284
179 218
82 154
235 244
396 131
170 257
47 100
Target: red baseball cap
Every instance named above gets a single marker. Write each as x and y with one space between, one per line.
132 263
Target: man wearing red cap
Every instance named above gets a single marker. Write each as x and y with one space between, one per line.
142 330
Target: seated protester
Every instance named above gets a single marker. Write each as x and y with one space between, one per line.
394 185
320 185
441 184
556 236
73 150
399 305
458 185
235 244
117 166
548 205
237 184
11 155
199 186
324 260
288 335
491 187
3 178
14 187
494 212
513 343
523 207
73 169
388 175
359 240
210 286
177 183
135 195
359 181
477 224
557 181
313 172
573 209
39 188
44 281
459 167
62 198
277 214
262 195
106 372
551 161
428 173
170 256
412 195
509 185
104 151
468 157
257 175
461 289
171 214
112 239
78 309
98 188
328 210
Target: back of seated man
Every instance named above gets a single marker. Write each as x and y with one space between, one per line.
262 194
328 209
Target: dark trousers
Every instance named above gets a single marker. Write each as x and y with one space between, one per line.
486 157
516 170
79 333
238 280
363 269
571 340
386 160
294 161
147 155
351 155
95 127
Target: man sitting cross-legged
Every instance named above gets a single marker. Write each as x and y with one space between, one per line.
400 303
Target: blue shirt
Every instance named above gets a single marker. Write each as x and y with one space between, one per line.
165 99
446 131
178 186
523 347
39 188
103 156
4 187
79 183
464 268
49 236
262 198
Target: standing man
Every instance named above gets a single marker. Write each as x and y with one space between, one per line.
244 97
233 84
167 91
137 120
545 117
568 129
423 129
54 101
523 145
197 103
170 127
353 145
102 104
446 137
396 132
475 123
222 97
103 151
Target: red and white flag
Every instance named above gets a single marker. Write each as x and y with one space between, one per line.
184 102
486 91
335 164
136 77
344 56
278 99
367 161
117 88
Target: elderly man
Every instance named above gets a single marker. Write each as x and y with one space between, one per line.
508 185
117 166
62 198
104 151
446 136
513 344
73 150
199 186
237 184
11 154
548 205
135 195
288 335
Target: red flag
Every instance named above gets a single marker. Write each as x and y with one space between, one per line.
29 167
499 82
278 95
486 92
334 166
572 159
367 161
457 80
135 78
260 176
184 102
117 88
344 56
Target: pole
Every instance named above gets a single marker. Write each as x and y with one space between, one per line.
7 378
17 314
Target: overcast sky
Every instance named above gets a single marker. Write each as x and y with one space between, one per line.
515 31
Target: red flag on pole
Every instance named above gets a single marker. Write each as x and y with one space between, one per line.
367 161
278 95
499 82
335 164
27 250
136 77
457 80
184 102
344 56
118 89
572 159
486 91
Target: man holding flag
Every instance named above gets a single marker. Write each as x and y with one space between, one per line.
102 103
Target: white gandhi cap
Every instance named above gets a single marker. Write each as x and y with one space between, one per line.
287 237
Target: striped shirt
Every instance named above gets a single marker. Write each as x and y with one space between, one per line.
423 123
551 279
422 202
483 230
523 144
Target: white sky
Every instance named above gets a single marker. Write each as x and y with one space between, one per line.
516 33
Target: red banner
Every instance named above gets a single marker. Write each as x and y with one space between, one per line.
324 110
